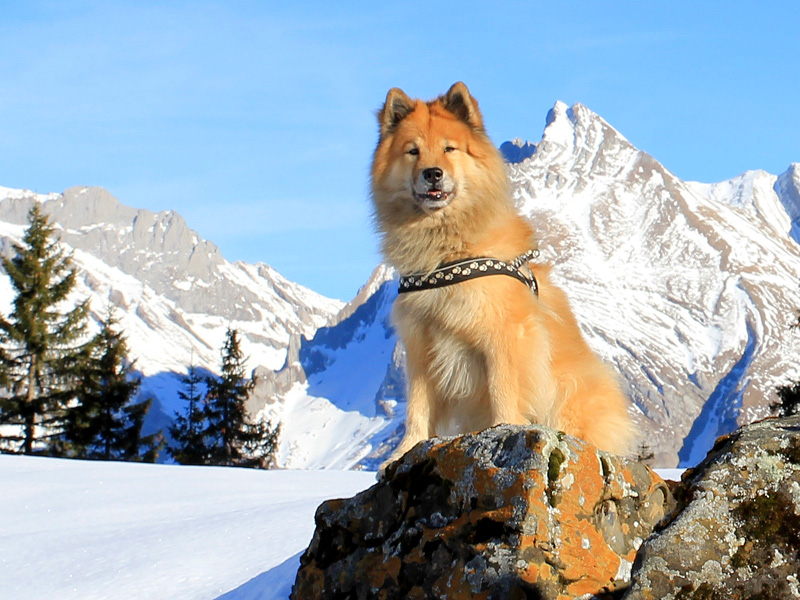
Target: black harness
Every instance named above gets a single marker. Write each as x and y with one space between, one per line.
472 268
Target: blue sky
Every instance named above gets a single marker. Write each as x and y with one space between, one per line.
255 120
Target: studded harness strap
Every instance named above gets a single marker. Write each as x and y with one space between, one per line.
472 268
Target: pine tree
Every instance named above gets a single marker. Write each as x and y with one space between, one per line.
41 347
260 442
233 439
104 423
789 395
137 447
788 400
644 453
189 447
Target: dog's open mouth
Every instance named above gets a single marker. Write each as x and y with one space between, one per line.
432 200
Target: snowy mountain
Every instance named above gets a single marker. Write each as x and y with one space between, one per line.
173 292
686 289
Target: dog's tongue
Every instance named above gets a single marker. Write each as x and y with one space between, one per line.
434 194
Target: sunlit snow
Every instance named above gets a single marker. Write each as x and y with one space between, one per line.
80 530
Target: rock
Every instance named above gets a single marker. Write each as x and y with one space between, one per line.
508 513
736 533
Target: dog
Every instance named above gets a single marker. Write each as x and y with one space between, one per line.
493 349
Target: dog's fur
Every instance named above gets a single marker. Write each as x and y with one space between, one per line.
485 351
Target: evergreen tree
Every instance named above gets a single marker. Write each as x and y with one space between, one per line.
137 447
232 438
260 442
40 344
189 446
644 453
789 395
103 423
788 400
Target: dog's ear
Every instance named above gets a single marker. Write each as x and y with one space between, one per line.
396 108
458 101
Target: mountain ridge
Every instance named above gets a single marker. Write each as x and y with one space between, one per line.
664 240
686 289
173 292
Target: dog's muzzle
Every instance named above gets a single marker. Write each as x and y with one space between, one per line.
433 189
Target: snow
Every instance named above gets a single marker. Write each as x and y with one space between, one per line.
719 413
97 530
81 530
11 193
316 434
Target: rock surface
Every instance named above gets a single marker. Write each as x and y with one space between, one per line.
509 513
736 533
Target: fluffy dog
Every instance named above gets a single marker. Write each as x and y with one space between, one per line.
488 350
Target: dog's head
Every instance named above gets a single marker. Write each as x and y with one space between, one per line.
432 155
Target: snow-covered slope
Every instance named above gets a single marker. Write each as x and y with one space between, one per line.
92 530
686 289
174 293
345 410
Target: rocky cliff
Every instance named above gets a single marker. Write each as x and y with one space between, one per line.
735 534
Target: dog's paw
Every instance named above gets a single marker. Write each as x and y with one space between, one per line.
405 446
381 475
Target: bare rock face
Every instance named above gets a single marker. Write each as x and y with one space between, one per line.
508 513
736 533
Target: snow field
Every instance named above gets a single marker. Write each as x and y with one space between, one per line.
87 530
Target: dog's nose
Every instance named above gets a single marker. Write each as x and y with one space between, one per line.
432 175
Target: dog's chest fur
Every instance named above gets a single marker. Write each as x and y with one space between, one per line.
455 366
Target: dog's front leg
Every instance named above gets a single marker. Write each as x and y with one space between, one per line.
521 386
503 375
418 401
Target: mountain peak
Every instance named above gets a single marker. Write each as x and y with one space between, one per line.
559 126
574 137
578 125
788 189
156 254
558 112
575 140
517 150
82 206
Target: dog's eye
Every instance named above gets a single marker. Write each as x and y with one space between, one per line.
449 149
413 151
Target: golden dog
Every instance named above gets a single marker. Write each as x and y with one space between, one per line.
488 350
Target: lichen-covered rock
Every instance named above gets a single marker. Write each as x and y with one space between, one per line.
509 513
736 533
